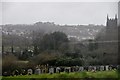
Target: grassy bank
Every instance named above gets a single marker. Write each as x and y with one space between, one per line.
98 74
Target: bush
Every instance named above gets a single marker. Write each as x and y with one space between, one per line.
9 63
45 58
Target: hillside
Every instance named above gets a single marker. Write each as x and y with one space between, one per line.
79 32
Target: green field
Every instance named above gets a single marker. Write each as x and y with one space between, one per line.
63 75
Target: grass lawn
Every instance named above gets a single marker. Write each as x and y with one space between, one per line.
85 74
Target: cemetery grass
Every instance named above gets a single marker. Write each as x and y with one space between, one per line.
85 74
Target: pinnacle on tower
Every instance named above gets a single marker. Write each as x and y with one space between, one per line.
107 17
116 16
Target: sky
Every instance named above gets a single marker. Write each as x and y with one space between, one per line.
71 13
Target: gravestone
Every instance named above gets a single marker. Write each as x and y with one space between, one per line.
98 68
81 68
6 74
73 69
42 70
46 70
90 68
76 68
38 71
107 68
16 72
95 68
51 70
23 72
101 68
30 71
58 70
110 67
67 69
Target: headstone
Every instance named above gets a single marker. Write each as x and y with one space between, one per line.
73 69
90 68
118 67
58 70
38 71
30 71
23 72
95 68
107 68
76 68
101 68
46 70
42 70
110 67
16 72
67 69
51 70
5 74
81 68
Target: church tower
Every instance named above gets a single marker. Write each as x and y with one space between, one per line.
119 13
111 24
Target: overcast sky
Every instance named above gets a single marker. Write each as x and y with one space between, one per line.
58 12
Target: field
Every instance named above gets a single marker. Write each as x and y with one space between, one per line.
64 75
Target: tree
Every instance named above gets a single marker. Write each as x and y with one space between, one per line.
36 40
92 45
53 41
